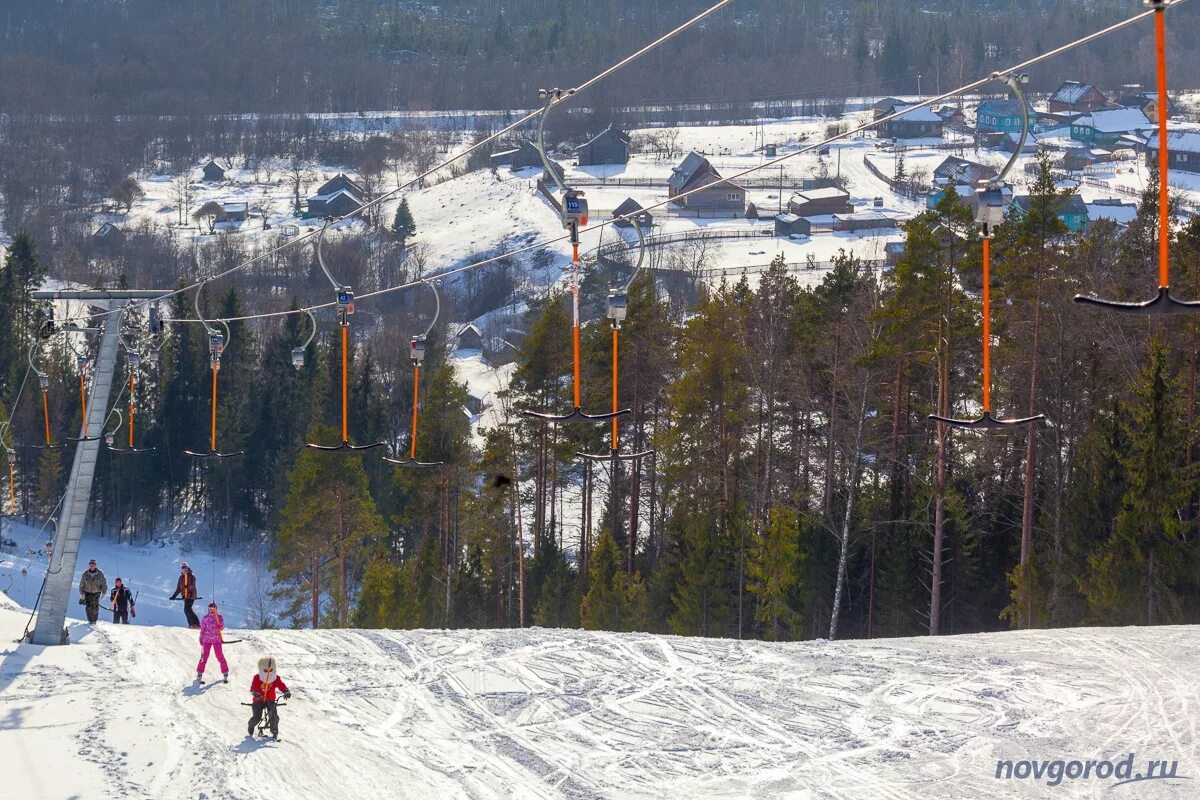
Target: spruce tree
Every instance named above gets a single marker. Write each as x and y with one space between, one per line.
1141 573
615 600
403 225
774 570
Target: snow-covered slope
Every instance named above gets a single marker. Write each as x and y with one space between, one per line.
570 714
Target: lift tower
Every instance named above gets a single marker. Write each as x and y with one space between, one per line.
61 575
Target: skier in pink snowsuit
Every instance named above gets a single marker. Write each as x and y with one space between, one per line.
210 639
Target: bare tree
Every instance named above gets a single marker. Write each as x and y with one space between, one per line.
298 175
210 212
181 191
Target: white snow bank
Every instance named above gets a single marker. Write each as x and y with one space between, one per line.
569 714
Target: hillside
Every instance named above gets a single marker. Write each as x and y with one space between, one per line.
570 714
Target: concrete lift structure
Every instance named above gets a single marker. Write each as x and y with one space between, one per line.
61 572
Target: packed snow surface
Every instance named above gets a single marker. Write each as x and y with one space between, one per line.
570 714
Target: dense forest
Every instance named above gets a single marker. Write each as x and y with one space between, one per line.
147 57
796 488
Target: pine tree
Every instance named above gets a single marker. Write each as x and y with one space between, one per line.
328 520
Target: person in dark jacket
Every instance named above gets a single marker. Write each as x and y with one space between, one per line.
121 603
185 587
92 584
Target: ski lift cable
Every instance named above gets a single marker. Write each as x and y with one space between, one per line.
612 69
1163 302
965 88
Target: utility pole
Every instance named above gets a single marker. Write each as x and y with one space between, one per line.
918 86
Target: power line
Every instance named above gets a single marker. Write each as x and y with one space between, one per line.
965 88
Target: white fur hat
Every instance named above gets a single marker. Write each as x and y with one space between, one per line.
267 665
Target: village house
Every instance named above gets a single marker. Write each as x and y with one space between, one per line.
213 172
631 210
714 194
610 146
955 170
469 337
882 108
862 221
919 123
338 183
1078 98
1183 150
1002 116
525 154
337 197
1105 128
952 116
788 224
234 212
819 202
107 239
1071 210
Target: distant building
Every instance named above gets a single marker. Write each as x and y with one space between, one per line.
525 154
469 337
338 183
107 239
336 204
1076 97
964 191
951 115
818 202
862 221
632 210
213 172
882 108
1115 210
787 224
1072 210
1183 150
1134 95
1002 116
954 170
610 146
696 174
1106 127
1077 159
919 123
893 252
234 212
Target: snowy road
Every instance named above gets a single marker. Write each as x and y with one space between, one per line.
570 714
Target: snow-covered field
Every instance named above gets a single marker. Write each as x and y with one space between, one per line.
570 714
237 581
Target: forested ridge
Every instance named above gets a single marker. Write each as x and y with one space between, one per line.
147 57
797 488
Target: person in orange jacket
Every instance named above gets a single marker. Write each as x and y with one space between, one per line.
265 687
185 587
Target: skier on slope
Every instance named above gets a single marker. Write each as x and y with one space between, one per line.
92 584
263 688
211 628
185 587
121 602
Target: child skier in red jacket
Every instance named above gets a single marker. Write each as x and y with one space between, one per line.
264 687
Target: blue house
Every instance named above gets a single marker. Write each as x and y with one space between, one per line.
1002 116
1073 211
1104 128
